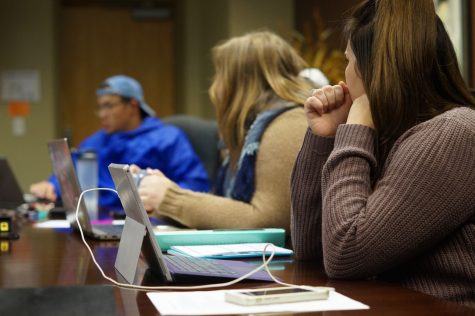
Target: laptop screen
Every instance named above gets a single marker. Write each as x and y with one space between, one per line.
64 171
11 195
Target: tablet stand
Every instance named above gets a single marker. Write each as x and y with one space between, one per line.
129 249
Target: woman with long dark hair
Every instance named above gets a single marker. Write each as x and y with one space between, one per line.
384 183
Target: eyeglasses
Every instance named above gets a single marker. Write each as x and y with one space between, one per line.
106 107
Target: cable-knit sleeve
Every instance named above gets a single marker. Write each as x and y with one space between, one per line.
424 195
306 221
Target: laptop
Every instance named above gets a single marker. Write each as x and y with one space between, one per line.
138 235
64 171
11 195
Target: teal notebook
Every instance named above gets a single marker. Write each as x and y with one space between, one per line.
166 239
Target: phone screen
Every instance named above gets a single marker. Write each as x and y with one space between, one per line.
279 291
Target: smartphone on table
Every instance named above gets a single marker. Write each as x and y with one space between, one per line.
277 295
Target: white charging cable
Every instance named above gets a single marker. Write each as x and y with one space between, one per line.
206 286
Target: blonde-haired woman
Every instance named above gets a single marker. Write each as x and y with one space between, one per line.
258 96
384 184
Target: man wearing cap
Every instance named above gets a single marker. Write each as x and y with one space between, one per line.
131 134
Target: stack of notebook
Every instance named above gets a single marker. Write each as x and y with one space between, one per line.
166 239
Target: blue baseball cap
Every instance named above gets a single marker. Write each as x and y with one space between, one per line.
127 87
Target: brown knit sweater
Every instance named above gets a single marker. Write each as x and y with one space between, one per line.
414 226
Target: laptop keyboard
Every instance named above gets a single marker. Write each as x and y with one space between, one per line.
192 264
115 230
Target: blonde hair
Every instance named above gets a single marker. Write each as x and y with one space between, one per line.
253 72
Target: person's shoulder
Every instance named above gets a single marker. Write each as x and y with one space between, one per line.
449 126
162 132
95 138
463 115
295 111
290 124
154 124
292 117
455 119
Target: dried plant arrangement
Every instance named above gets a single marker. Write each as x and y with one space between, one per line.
312 45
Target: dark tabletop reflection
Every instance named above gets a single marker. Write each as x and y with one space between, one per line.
53 261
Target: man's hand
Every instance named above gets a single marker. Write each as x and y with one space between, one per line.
43 190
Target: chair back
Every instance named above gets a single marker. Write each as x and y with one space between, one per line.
203 136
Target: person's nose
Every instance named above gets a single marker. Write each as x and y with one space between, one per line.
102 115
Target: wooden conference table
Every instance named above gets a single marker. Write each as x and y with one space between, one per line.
55 263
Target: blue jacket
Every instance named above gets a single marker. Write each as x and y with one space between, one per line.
153 144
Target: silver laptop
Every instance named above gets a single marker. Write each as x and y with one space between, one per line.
64 171
11 195
138 237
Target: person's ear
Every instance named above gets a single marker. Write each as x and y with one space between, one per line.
135 104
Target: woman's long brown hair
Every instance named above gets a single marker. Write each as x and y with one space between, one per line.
407 64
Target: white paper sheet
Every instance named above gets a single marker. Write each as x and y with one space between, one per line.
213 303
63 223
54 223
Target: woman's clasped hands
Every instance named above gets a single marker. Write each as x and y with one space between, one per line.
330 106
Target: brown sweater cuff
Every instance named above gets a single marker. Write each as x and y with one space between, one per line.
172 203
321 146
355 135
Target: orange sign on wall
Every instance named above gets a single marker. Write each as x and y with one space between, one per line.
18 108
